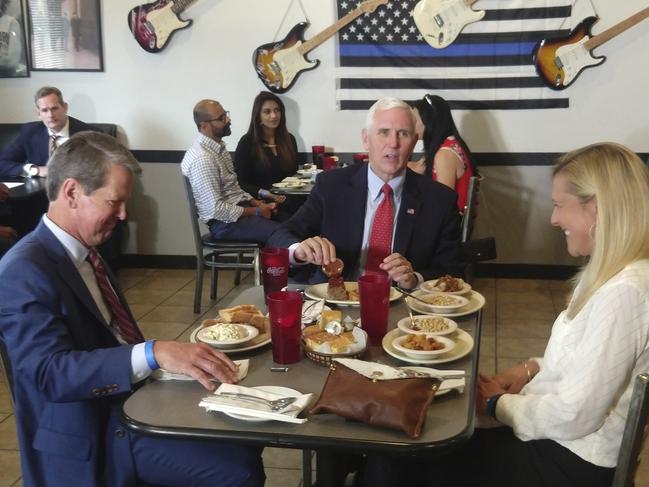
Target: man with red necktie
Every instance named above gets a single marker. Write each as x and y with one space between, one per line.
76 352
378 216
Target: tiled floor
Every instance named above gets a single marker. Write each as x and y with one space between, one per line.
517 321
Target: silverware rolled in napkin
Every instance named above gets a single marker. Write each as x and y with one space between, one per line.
274 405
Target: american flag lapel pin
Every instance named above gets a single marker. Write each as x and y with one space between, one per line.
410 211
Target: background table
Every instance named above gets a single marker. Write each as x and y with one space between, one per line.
170 408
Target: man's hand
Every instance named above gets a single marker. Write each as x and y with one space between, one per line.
198 360
8 232
42 171
267 210
315 250
278 198
400 270
4 192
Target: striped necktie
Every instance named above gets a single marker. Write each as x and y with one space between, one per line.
127 328
52 147
380 243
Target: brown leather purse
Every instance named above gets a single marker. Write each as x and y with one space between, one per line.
397 403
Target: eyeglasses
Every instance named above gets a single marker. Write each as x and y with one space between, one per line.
224 116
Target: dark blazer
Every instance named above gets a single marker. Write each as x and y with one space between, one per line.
428 224
70 374
32 145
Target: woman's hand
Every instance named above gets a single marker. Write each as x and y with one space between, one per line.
514 378
487 387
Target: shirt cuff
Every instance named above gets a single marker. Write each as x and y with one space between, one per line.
140 369
505 409
291 257
419 277
26 170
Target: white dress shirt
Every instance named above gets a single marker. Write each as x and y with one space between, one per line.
78 253
61 136
580 397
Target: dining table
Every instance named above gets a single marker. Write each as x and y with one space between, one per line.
170 408
26 203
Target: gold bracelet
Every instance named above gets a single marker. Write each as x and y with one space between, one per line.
527 369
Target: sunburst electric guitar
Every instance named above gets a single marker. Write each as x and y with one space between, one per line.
559 61
154 23
441 21
278 64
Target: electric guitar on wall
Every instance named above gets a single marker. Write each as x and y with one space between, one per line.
154 23
441 21
278 64
559 61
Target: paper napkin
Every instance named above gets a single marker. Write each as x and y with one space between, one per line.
162 374
218 402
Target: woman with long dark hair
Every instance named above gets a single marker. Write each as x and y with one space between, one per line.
446 158
266 154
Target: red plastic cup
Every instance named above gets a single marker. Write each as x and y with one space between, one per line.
274 269
360 158
317 152
285 311
329 162
374 293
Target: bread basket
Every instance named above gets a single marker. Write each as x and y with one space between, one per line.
325 359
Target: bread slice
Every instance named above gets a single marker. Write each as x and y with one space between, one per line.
229 315
314 338
260 322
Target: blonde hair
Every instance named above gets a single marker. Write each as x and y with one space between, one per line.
619 182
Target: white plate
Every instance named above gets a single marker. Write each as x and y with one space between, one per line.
250 333
319 291
458 302
404 326
476 301
258 341
289 185
429 287
463 345
310 172
449 345
282 391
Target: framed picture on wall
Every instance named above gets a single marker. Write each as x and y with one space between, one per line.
65 35
13 45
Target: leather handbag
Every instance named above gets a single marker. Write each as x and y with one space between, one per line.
397 403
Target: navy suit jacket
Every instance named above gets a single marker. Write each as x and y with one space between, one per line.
428 224
70 373
32 145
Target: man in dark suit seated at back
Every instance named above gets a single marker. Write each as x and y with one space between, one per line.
28 154
76 352
339 219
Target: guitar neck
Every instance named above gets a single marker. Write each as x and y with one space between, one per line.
180 5
611 32
318 39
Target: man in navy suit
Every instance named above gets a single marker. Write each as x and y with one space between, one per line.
28 154
71 344
336 219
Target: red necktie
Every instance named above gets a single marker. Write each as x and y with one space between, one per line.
127 329
380 244
52 146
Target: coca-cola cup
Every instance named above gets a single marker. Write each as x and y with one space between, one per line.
274 269
329 162
317 152
360 158
374 294
285 313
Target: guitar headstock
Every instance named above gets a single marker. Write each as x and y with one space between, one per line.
370 6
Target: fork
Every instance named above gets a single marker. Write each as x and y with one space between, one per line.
410 295
274 405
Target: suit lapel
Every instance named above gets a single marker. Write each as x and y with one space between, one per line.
407 218
69 273
356 205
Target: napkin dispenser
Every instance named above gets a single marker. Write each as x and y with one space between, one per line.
379 396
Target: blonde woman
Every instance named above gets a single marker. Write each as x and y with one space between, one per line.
562 416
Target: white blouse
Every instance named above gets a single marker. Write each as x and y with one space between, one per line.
580 397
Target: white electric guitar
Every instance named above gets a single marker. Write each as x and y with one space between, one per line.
441 21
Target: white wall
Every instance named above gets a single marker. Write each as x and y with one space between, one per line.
150 96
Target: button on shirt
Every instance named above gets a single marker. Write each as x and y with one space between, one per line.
210 170
78 253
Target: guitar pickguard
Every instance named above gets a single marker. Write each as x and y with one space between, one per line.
441 21
164 22
153 24
573 58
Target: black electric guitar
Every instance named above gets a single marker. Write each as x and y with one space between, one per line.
559 61
154 23
278 64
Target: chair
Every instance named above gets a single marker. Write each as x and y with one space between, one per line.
5 368
635 432
209 252
473 251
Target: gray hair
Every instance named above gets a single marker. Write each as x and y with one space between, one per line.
383 104
47 91
87 157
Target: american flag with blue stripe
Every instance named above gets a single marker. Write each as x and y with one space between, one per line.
488 66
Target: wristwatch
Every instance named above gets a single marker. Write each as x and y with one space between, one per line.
32 170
